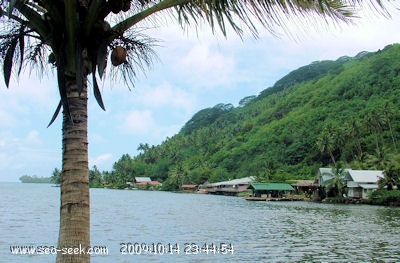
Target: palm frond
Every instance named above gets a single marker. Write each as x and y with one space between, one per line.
101 59
21 40
8 61
96 91
9 53
55 114
247 15
37 56
140 55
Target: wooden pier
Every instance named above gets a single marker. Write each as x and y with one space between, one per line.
273 199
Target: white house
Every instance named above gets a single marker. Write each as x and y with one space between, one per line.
142 179
324 174
360 183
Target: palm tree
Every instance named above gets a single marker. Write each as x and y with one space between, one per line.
326 141
381 159
335 185
391 177
374 121
76 37
387 112
354 133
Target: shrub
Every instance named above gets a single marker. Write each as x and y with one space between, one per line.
385 197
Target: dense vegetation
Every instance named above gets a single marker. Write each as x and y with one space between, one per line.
35 179
344 110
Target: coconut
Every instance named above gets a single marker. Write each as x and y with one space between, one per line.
118 56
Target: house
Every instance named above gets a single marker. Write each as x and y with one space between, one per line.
323 175
144 181
152 183
231 187
360 183
267 190
305 186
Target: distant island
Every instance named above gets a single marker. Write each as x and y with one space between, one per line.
35 179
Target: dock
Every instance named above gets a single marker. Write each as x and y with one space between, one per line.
275 199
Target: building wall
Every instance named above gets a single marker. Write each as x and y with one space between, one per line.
355 192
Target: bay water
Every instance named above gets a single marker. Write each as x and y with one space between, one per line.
150 226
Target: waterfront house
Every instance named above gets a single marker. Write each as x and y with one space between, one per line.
267 190
231 187
139 180
323 175
145 181
305 186
360 183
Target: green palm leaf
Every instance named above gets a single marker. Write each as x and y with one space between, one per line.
96 91
56 112
8 61
21 40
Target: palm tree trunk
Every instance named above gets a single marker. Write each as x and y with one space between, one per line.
392 135
75 202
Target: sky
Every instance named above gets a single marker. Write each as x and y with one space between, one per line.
193 71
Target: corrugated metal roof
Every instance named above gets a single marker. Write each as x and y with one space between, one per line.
244 180
324 170
365 176
369 186
142 179
271 186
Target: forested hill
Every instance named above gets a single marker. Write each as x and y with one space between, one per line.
344 110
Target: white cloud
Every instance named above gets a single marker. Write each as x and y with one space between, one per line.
139 122
101 161
33 138
142 123
166 95
206 66
42 91
25 154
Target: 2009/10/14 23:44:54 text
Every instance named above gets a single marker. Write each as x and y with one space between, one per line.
175 248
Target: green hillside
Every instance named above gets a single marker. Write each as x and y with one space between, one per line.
343 110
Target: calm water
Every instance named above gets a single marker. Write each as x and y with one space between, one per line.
258 231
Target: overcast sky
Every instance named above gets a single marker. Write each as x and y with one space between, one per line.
193 72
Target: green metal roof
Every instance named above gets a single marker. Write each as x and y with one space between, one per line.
270 187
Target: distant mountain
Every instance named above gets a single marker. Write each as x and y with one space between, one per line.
343 110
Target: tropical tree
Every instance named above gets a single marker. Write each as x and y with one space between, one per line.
334 186
76 37
381 159
391 177
123 170
388 113
56 178
326 141
95 178
353 130
374 121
